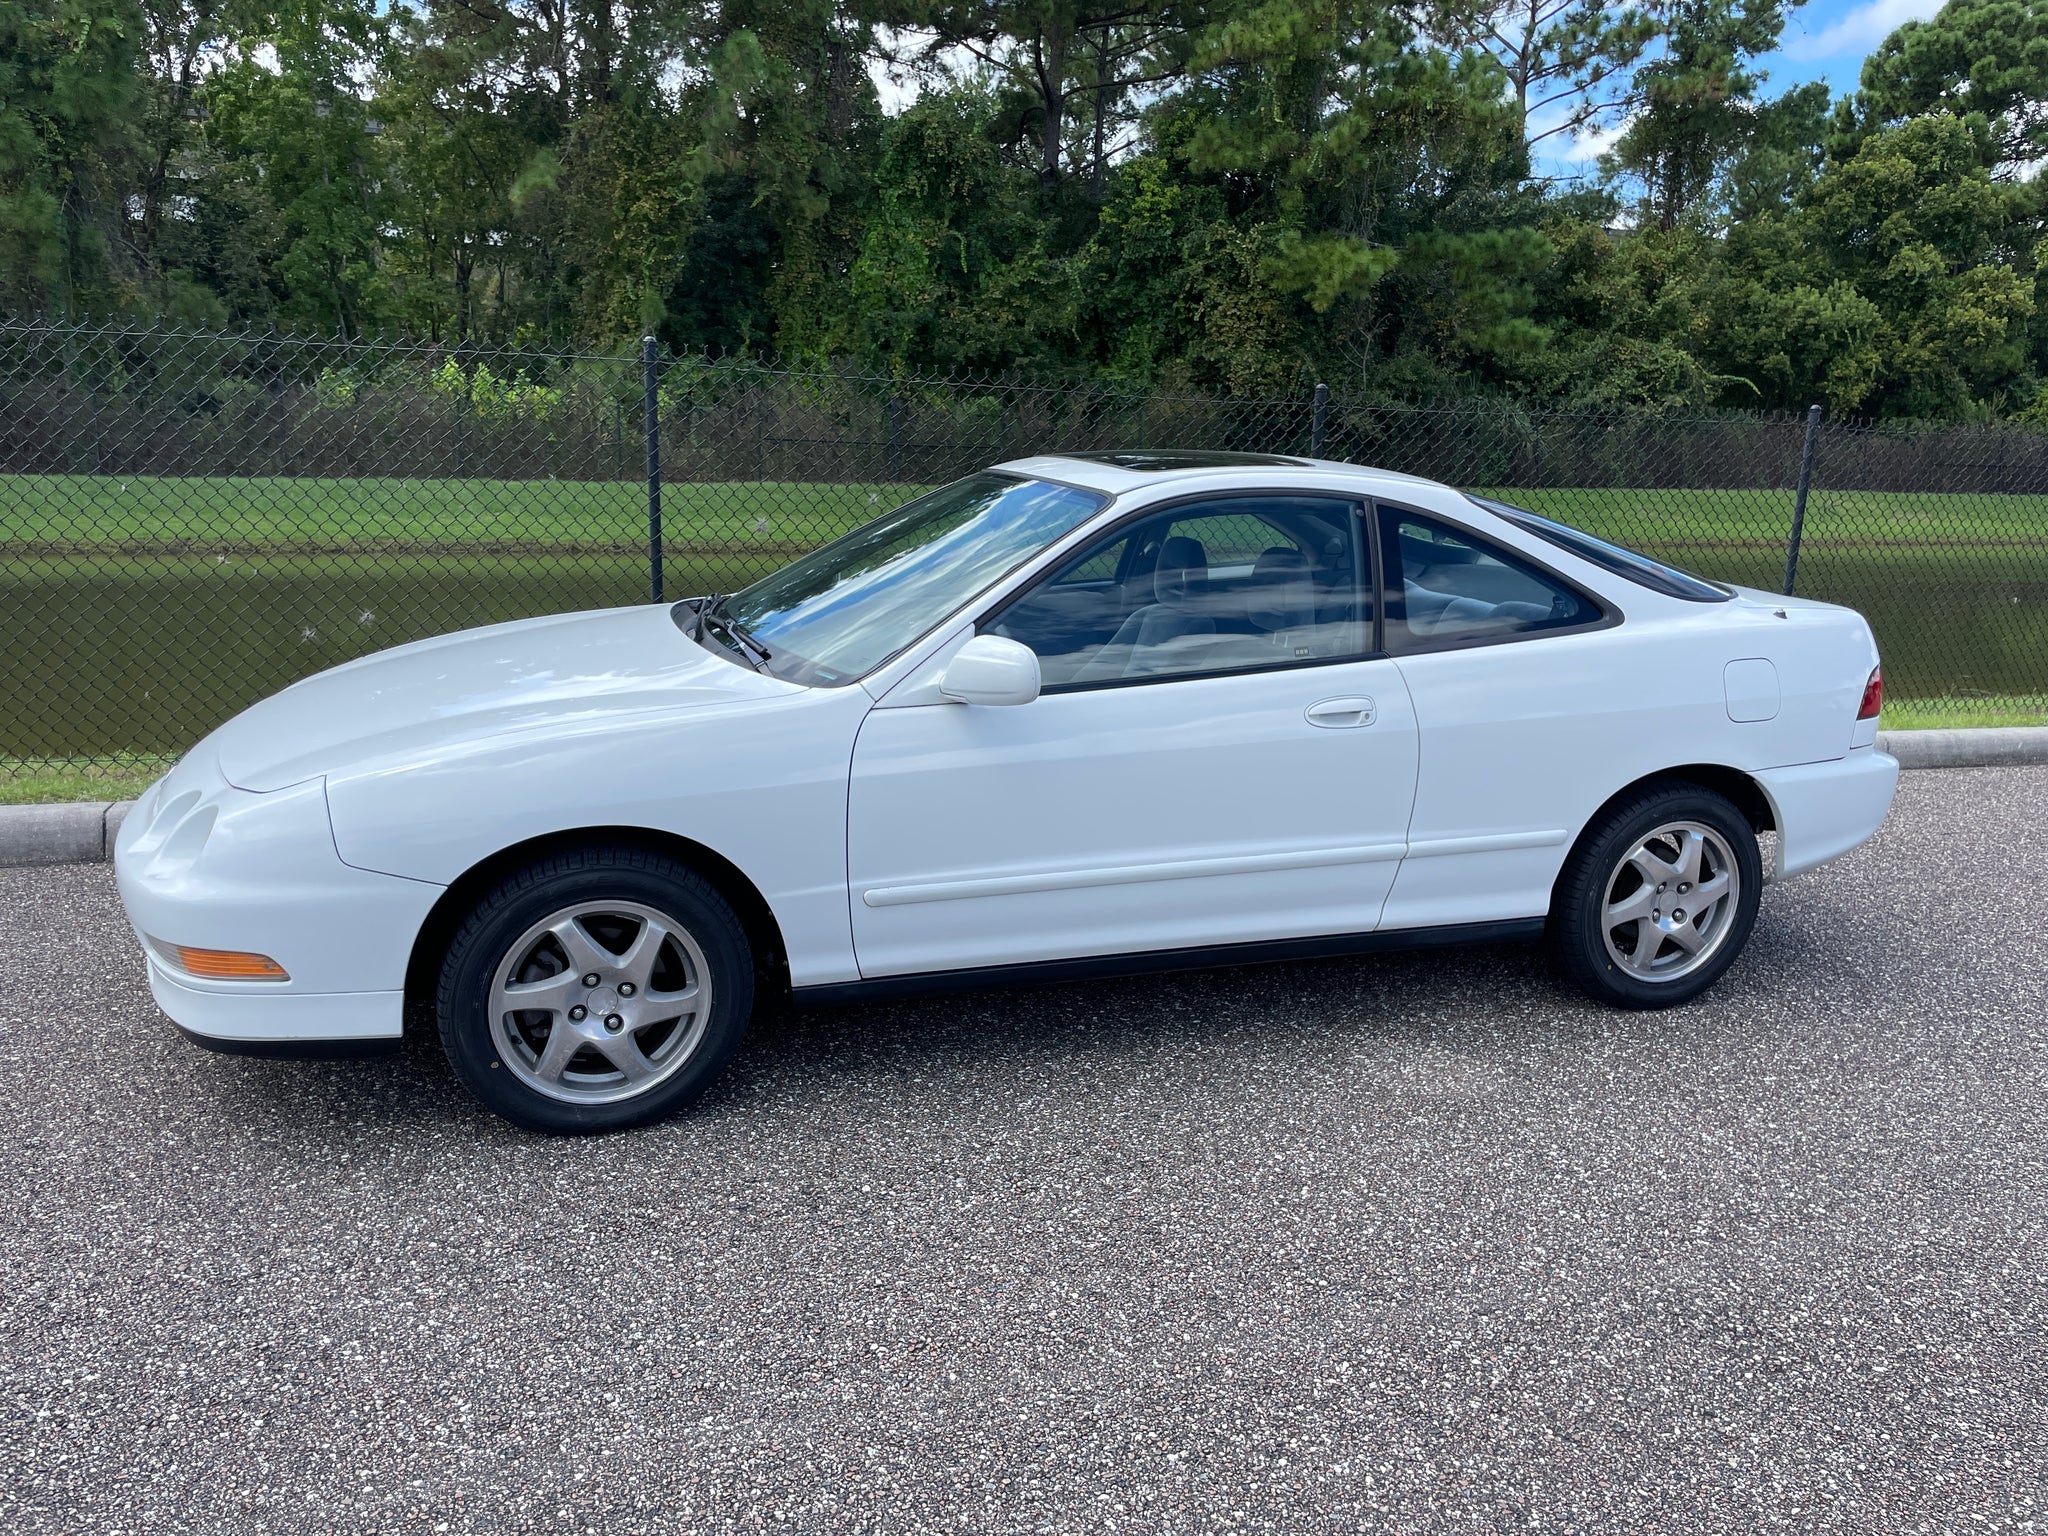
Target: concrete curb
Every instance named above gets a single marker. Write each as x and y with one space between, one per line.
2001 746
54 834
84 832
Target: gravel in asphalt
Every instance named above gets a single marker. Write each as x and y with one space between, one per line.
1416 1242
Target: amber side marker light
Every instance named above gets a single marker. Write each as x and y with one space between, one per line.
222 964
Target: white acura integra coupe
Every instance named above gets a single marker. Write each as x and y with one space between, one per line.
1070 716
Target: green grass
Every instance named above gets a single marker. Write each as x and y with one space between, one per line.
1735 519
1960 714
112 513
33 785
66 514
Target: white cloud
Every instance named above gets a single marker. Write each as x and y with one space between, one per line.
897 90
1592 143
1860 29
896 85
902 63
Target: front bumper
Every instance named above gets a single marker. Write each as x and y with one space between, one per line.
1825 809
204 864
312 1024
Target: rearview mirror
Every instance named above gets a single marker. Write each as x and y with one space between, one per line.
991 670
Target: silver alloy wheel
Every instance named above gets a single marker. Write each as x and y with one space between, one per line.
1670 903
599 1002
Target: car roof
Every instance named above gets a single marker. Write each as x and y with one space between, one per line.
1118 471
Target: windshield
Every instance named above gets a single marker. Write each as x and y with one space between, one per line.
843 610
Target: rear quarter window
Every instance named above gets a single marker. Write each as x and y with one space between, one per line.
1622 561
1446 587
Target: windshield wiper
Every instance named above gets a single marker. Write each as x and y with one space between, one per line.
700 609
712 612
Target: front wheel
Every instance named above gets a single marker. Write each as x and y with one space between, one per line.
595 990
1658 899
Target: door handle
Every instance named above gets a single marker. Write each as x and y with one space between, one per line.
1337 714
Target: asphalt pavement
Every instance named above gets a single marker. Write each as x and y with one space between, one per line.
1416 1243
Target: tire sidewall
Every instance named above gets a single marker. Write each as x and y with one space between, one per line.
1585 947
514 907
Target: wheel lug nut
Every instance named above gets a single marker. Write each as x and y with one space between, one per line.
579 1013
625 989
1678 916
613 1023
592 979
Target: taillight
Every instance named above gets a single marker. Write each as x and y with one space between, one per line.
1873 695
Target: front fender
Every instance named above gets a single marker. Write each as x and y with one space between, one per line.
761 783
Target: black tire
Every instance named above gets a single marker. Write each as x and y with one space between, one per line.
709 945
1579 940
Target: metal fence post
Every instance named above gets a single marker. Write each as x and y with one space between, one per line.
650 385
465 384
1315 421
1799 501
895 440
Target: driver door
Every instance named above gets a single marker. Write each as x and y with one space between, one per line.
1218 757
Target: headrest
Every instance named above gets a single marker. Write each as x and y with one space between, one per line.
1283 591
1182 571
1280 558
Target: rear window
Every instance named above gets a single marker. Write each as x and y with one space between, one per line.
1640 569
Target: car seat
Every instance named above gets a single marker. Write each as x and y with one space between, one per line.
1180 593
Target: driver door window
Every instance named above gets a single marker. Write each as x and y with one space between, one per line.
1213 587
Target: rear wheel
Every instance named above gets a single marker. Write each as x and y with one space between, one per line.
1658 899
595 990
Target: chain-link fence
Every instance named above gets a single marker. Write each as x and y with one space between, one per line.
192 520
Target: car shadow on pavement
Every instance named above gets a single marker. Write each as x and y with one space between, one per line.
1479 1001
1308 1004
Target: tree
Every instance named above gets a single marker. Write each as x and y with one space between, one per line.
1897 285
1381 173
1053 57
67 70
953 267
460 129
303 130
1984 61
1780 155
1565 60
1692 102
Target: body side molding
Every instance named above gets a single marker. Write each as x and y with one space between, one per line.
1496 842
1128 874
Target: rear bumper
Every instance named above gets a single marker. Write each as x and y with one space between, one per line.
1825 809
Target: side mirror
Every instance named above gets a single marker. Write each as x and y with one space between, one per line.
991 670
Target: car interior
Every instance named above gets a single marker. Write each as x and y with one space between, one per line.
1225 586
1202 589
1453 587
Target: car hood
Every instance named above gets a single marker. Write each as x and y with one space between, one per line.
531 675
